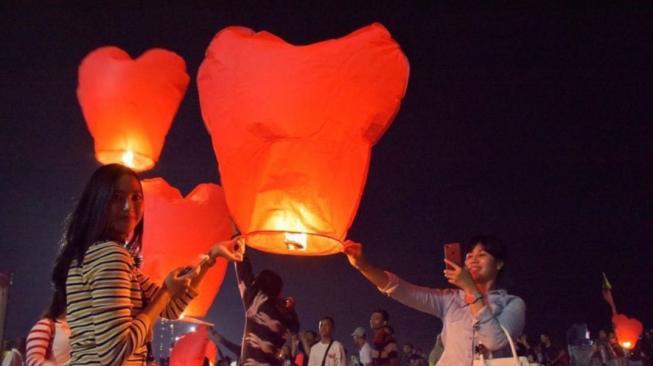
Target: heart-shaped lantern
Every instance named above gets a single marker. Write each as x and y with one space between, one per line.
627 330
129 104
292 128
178 230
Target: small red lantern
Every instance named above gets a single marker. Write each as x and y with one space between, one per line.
627 330
293 126
192 348
129 104
178 230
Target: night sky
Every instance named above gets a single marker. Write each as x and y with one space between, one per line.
529 121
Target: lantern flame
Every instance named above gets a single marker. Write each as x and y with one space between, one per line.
128 158
296 241
627 345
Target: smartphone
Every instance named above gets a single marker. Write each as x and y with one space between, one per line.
452 253
196 267
185 271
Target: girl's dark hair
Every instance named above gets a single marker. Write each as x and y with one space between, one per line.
87 223
269 283
491 245
57 306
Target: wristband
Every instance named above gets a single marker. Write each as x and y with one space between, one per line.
477 297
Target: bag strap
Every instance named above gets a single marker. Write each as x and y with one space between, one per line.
512 345
326 352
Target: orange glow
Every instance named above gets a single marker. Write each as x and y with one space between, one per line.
627 330
178 230
292 128
129 104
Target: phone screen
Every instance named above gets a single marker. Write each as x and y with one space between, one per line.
452 253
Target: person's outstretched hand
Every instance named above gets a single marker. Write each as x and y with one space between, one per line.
231 250
354 252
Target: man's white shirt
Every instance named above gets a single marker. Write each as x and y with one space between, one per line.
335 357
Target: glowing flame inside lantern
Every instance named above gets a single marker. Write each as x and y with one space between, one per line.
128 158
295 241
626 345
292 228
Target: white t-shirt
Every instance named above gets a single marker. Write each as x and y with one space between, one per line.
61 342
335 357
365 354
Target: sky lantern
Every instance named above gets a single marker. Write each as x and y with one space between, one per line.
293 126
193 347
627 330
129 104
179 230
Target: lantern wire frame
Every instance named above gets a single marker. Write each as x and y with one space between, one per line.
132 159
292 242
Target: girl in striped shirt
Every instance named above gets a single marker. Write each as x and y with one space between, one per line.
111 305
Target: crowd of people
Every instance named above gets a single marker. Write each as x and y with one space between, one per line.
103 308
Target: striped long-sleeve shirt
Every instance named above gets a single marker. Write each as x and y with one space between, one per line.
106 295
47 343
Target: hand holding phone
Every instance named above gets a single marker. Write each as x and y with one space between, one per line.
197 267
452 253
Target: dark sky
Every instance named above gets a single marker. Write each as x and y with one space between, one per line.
528 121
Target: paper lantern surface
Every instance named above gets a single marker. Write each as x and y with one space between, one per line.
627 330
192 348
129 104
292 128
177 230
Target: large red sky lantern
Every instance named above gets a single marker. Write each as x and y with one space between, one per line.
178 230
129 104
293 126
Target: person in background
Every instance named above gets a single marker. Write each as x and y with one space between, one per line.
364 349
12 355
48 340
385 351
554 354
270 320
473 314
327 352
307 339
406 352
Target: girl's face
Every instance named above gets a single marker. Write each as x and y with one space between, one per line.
482 265
125 208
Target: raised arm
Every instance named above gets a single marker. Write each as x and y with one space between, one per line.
428 300
354 252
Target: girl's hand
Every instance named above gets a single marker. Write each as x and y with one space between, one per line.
231 250
354 252
176 282
460 277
